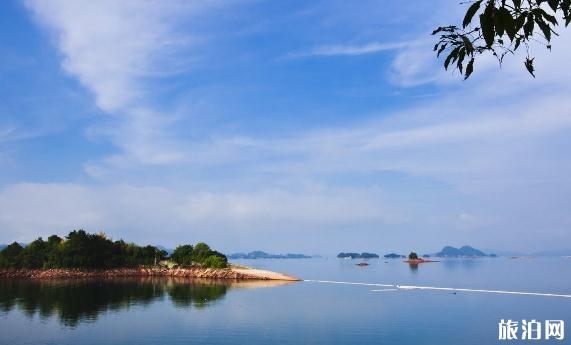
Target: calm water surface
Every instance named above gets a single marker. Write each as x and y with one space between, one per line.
169 311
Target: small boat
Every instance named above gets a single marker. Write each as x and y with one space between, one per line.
362 264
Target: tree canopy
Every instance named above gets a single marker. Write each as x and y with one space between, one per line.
201 254
83 250
500 28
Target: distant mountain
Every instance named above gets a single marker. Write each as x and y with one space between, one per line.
505 252
263 255
394 256
2 246
465 251
168 250
357 256
555 252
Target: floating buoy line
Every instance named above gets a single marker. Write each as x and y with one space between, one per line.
398 287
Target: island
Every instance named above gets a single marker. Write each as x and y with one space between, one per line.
357 256
394 256
263 255
414 259
82 254
462 252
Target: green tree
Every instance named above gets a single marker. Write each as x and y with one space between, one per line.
500 28
54 257
35 254
83 250
201 252
183 255
11 255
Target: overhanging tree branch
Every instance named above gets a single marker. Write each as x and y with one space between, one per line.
502 27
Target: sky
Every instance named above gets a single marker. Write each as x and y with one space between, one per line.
287 126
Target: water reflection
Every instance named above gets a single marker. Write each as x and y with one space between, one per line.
83 300
463 263
413 267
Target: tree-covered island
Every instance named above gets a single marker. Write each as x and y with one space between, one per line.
83 250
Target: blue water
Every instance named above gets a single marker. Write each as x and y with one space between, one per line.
163 311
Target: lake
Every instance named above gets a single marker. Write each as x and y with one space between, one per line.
179 311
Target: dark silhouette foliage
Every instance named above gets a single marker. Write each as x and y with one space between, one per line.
500 27
413 256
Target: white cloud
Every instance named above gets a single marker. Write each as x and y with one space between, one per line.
496 143
351 50
117 49
161 215
110 46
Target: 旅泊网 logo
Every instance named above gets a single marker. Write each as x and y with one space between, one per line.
531 330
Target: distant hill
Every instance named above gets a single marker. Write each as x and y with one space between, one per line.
2 246
543 253
394 256
556 252
357 256
465 251
505 252
168 250
263 255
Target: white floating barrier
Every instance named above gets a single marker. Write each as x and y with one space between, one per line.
415 287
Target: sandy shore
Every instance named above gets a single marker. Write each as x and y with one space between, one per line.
262 274
234 273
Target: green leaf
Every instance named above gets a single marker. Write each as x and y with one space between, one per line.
487 23
498 23
529 65
509 22
471 12
529 25
468 45
544 28
442 47
548 17
517 4
553 4
517 43
461 56
469 69
566 8
453 55
520 21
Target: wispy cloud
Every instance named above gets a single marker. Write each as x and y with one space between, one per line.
349 50
117 49
111 46
162 215
480 156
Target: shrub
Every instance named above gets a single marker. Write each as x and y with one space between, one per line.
215 261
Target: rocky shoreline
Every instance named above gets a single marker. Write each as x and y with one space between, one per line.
193 272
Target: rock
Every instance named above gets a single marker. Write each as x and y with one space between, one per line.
192 272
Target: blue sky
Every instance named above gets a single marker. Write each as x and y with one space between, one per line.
302 126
